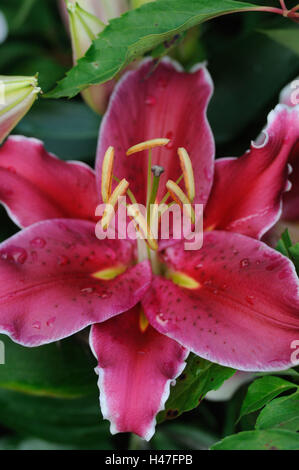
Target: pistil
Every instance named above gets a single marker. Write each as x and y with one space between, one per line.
157 171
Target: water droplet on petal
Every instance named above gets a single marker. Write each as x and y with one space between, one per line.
150 100
51 321
38 242
36 325
105 295
21 257
160 318
87 290
244 263
13 253
169 135
199 265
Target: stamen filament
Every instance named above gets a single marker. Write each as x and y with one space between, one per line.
167 195
187 170
142 226
129 192
180 197
120 190
147 145
149 176
107 170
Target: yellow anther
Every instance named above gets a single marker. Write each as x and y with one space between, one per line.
120 190
109 273
183 280
147 145
142 226
187 170
107 170
143 321
180 198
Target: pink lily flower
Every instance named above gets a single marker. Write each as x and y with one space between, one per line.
290 213
226 301
290 210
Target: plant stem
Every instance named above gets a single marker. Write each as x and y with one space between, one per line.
136 443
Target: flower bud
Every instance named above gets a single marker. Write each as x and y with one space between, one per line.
3 28
86 20
17 94
104 10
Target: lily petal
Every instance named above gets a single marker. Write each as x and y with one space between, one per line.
244 312
52 288
170 104
35 185
135 371
291 198
289 95
247 192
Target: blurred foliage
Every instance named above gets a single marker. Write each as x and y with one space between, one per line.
48 395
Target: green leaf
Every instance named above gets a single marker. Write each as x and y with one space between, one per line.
262 391
271 439
68 128
282 412
284 244
288 37
77 421
17 443
137 32
199 377
182 436
285 247
294 252
61 370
